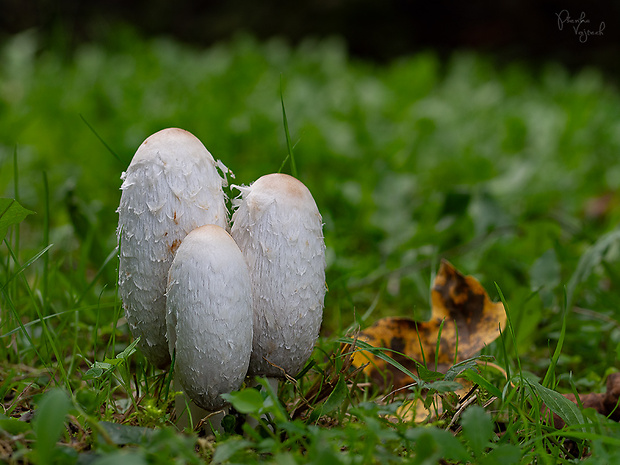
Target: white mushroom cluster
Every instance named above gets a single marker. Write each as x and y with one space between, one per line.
226 306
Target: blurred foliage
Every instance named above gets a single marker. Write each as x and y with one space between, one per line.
509 173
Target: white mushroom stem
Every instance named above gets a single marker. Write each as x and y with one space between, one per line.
278 227
171 187
209 316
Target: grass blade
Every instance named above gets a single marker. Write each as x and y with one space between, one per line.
510 327
16 196
114 154
22 326
438 345
46 241
11 306
46 330
27 264
475 377
108 259
288 137
379 353
549 379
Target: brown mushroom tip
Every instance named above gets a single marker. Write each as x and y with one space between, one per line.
283 187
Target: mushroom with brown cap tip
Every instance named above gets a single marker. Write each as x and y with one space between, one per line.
171 187
278 227
209 316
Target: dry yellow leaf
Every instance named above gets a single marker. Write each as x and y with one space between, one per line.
465 309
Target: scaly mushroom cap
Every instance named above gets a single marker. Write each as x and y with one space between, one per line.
171 187
278 227
209 315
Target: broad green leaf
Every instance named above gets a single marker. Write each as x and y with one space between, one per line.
558 404
49 421
436 444
129 350
110 362
126 434
477 428
13 426
11 212
284 458
272 404
335 400
428 375
545 272
124 458
460 367
487 213
88 399
337 397
98 370
506 454
444 386
246 401
545 276
591 258
93 373
227 449
426 449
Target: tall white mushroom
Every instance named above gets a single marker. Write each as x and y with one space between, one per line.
278 227
209 316
171 187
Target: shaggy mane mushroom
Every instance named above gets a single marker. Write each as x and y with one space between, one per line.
279 230
171 187
209 316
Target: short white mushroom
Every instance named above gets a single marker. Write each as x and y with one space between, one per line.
209 316
278 227
171 187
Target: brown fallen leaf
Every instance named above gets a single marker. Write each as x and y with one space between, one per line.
470 321
604 403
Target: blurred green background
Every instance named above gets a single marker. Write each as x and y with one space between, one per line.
508 168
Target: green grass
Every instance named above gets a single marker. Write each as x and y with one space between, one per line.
509 173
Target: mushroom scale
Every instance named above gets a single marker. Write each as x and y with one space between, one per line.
171 187
279 230
209 315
